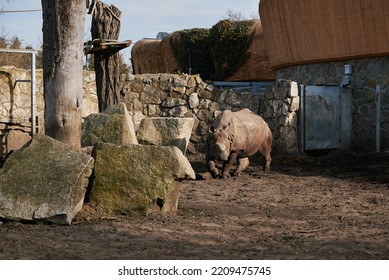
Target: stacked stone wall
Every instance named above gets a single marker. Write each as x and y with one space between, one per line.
15 105
165 95
157 95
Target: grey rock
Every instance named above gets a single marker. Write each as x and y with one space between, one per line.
166 132
46 180
145 178
114 125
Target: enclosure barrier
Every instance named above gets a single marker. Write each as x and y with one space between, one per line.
34 117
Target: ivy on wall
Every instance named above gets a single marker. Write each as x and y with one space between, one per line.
214 53
192 54
230 41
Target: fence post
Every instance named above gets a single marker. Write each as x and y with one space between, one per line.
378 118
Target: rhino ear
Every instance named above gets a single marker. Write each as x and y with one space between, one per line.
212 129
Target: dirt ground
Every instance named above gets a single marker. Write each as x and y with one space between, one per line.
332 206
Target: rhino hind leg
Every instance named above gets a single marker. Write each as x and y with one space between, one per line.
242 164
266 163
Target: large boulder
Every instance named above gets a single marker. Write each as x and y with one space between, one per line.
137 178
45 180
114 126
166 132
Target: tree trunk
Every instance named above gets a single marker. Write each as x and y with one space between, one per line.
106 27
63 38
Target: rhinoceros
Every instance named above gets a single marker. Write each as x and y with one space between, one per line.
236 136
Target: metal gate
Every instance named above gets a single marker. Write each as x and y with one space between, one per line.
320 120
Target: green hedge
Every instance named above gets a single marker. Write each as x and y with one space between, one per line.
194 51
214 53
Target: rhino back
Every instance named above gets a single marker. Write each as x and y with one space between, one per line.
250 132
223 119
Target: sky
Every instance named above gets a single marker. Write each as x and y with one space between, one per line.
139 19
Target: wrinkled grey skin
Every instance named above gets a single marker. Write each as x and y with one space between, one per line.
236 136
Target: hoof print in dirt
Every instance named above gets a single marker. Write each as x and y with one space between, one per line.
257 175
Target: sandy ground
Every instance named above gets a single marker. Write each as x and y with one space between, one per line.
333 206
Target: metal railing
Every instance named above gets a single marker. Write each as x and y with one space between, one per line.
34 116
253 86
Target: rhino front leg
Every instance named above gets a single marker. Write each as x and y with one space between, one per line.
212 168
242 164
228 164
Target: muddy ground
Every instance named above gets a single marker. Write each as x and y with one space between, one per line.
332 206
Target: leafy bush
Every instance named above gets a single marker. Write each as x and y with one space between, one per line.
230 41
214 53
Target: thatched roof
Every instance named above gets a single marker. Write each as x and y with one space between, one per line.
306 31
230 50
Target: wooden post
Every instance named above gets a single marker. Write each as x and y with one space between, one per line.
105 28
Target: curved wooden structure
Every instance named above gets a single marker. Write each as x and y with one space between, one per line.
154 56
141 53
257 66
307 31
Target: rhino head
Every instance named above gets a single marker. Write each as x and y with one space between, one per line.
220 142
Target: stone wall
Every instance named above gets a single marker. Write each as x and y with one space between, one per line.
15 105
366 73
156 95
168 95
165 95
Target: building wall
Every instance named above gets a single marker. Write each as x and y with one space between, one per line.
367 72
310 41
184 95
310 31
